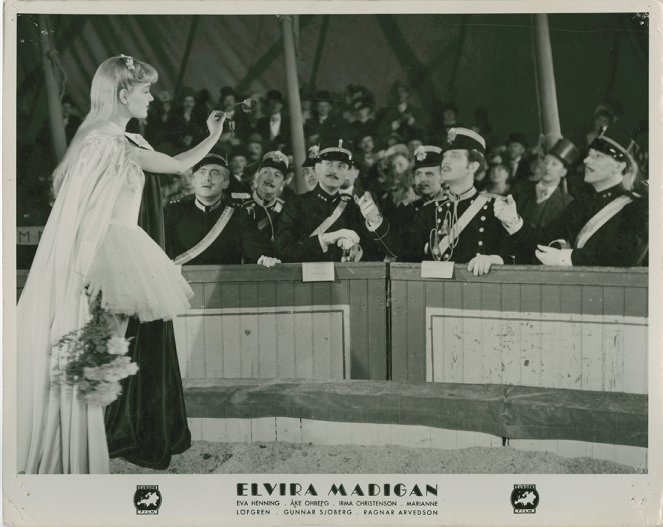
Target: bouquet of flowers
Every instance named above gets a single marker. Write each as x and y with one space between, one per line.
95 360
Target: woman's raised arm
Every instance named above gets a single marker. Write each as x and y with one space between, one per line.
158 163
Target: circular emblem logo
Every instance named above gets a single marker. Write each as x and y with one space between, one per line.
147 499
524 499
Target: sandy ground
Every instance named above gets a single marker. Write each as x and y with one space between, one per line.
205 457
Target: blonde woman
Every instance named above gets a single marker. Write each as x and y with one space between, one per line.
92 245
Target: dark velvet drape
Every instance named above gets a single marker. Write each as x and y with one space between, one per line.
147 423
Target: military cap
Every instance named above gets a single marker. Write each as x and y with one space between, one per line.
616 144
427 156
211 159
565 151
277 160
464 139
335 151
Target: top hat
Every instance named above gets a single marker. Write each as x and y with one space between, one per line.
274 95
565 151
460 138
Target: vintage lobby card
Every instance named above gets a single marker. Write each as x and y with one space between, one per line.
499 392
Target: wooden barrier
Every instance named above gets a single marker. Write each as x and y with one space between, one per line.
580 328
250 322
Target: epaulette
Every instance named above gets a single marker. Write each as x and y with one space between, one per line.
409 201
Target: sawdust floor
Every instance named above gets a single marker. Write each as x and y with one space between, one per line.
206 457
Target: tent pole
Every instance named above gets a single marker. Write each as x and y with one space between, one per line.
546 79
294 103
54 105
318 52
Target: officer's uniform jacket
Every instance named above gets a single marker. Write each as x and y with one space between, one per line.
483 234
305 212
187 221
265 214
619 242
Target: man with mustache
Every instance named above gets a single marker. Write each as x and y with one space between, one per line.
325 225
265 206
207 228
606 228
457 225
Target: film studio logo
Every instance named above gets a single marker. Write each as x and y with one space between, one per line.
524 499
147 499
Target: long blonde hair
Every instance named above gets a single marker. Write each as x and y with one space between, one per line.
112 76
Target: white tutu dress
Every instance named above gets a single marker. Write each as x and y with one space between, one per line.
132 272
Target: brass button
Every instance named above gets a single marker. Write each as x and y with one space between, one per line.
483 218
481 229
479 243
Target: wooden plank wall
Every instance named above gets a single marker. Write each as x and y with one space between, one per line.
551 327
250 322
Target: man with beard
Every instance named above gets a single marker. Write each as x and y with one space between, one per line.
206 229
606 228
324 225
458 226
265 206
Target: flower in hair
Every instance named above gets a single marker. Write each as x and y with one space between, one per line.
129 61
420 153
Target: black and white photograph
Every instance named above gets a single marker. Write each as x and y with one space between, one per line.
340 263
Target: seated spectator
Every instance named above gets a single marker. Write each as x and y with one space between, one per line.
184 185
323 126
207 229
275 126
516 146
442 122
254 153
400 115
186 127
242 126
240 182
310 176
158 119
498 180
542 201
399 190
364 123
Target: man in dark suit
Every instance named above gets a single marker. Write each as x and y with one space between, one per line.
541 202
275 127
207 228
323 126
324 225
607 228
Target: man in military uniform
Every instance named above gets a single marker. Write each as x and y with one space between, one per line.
264 204
310 177
324 225
206 229
457 225
606 228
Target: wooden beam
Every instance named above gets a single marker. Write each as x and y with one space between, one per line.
514 412
185 57
451 87
318 52
267 59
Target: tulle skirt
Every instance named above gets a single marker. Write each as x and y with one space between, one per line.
136 277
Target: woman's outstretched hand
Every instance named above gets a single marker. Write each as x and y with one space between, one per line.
215 122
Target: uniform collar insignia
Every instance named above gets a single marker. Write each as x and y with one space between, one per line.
208 208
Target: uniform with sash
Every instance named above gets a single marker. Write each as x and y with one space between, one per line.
307 215
265 214
455 230
607 228
219 234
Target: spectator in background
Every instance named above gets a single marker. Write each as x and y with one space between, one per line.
306 105
364 123
71 120
185 127
399 190
228 103
498 181
184 186
516 146
310 176
413 144
158 120
254 152
275 126
541 202
442 122
400 116
604 116
239 181
323 126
